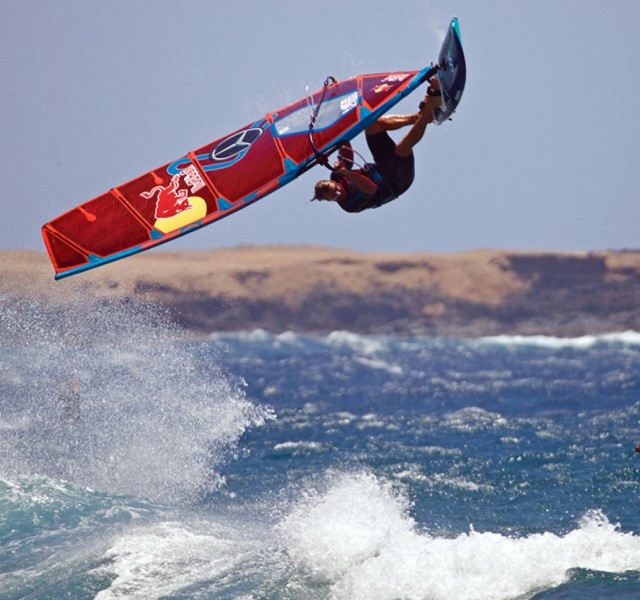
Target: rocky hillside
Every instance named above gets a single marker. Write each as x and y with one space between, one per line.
318 290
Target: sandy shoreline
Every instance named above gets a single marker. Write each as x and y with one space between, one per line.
317 290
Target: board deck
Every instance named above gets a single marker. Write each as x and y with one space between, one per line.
452 73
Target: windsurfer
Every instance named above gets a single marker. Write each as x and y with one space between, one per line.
70 400
392 172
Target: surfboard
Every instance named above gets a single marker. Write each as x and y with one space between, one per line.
452 72
238 169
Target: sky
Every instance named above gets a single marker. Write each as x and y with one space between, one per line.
542 153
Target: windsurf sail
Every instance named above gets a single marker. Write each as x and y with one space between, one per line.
226 175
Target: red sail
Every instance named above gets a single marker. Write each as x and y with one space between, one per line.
221 177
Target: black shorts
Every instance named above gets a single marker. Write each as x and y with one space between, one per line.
397 171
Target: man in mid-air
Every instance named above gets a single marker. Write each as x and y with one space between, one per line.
392 172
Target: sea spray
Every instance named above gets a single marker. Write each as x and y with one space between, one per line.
110 396
354 533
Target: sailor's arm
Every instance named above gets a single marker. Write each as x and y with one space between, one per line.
362 182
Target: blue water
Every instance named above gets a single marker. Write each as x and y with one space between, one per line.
138 464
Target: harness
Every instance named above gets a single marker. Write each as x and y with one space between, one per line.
357 200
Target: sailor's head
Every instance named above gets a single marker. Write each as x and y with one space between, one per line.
327 190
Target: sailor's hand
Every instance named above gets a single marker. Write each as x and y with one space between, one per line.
431 102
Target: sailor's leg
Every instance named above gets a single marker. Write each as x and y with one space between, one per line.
391 122
415 134
424 117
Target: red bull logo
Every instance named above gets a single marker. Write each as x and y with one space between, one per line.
170 200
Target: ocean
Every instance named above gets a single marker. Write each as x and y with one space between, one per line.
137 463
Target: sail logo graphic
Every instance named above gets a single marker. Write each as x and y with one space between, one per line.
170 200
348 103
236 145
192 178
396 77
384 85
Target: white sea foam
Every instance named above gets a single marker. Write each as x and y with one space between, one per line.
630 338
334 531
473 419
298 448
380 365
439 480
356 536
348 536
260 336
358 343
158 560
